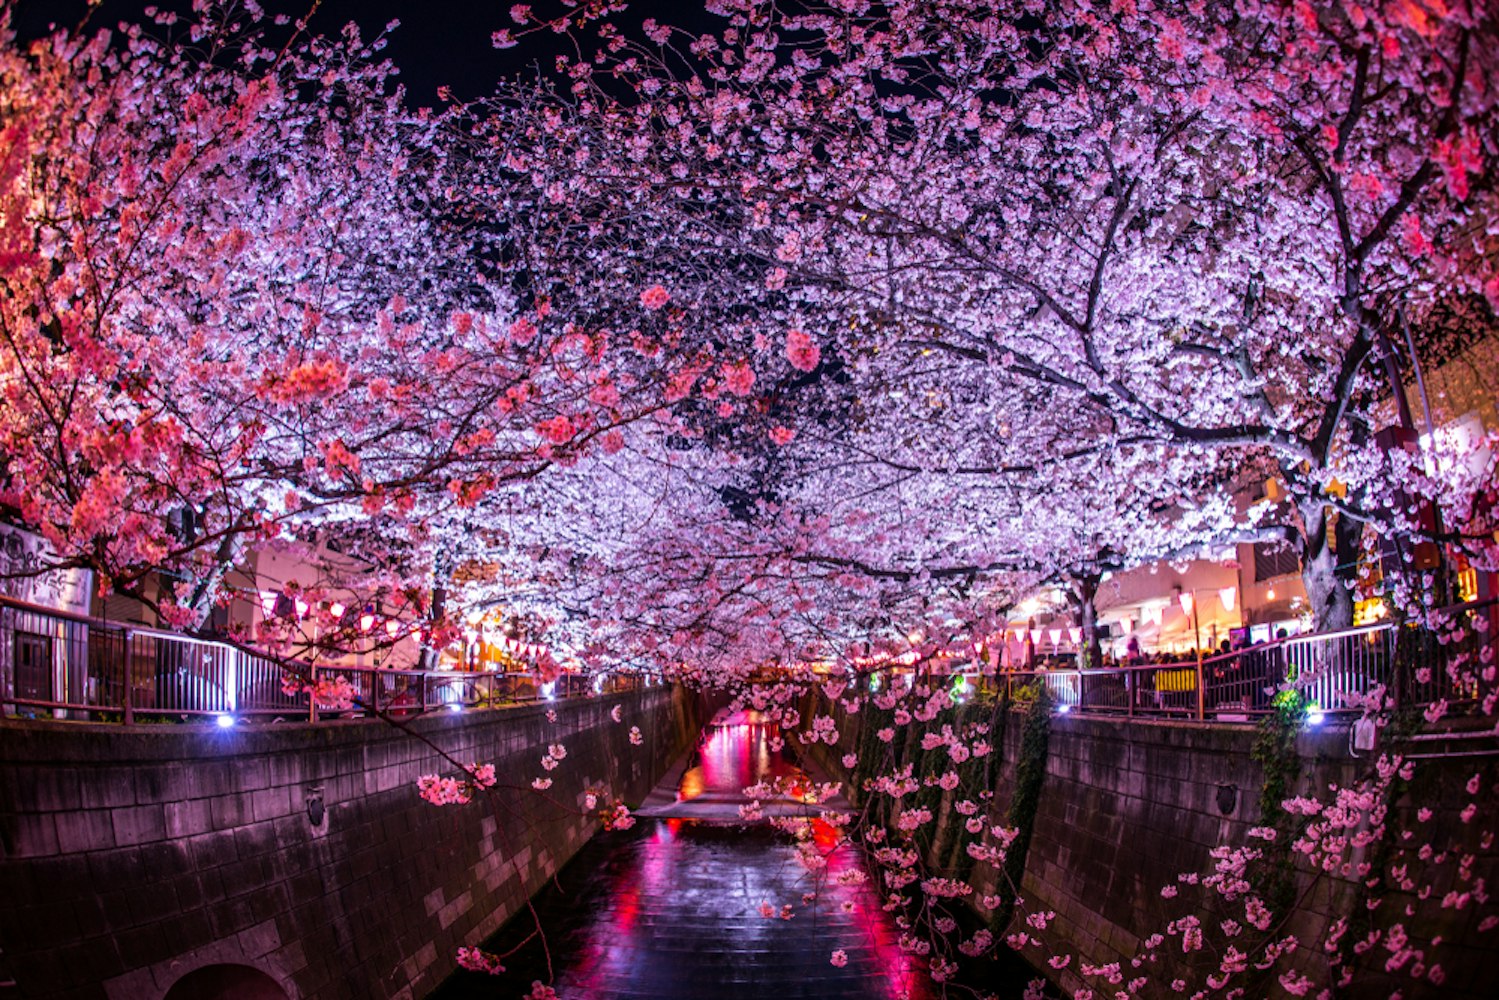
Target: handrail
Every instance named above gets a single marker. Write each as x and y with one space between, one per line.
71 665
1331 670
67 666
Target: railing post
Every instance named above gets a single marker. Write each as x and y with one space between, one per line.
312 694
1201 694
422 680
125 666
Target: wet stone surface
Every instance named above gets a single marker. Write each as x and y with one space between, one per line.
672 908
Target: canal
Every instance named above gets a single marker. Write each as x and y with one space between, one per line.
675 906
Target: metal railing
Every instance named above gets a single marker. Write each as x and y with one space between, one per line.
1333 671
57 665
63 666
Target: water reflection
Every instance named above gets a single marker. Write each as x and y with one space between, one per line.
734 754
673 907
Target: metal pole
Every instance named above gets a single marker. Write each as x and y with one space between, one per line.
129 714
1197 642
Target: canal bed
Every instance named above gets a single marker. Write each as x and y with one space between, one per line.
674 907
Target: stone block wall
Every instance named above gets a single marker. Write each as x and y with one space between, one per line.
1127 806
130 858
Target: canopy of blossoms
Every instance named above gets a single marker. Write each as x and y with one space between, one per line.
891 311
821 335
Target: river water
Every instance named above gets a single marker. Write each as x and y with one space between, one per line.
672 908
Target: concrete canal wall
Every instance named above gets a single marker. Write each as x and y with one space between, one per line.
291 860
1127 806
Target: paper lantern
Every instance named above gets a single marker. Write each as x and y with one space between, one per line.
1229 596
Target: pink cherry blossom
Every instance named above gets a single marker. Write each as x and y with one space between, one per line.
803 354
655 297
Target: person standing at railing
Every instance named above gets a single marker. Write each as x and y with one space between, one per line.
402 701
1263 664
1133 658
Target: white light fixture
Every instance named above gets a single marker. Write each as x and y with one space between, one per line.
1229 596
268 602
224 721
336 610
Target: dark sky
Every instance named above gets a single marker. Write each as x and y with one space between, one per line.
439 41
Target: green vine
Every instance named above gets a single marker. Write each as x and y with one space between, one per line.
1030 772
1275 751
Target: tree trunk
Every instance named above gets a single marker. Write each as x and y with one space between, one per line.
1090 651
429 657
1331 601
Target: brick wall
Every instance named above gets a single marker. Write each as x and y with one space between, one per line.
129 858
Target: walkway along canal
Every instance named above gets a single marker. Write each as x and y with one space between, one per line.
675 906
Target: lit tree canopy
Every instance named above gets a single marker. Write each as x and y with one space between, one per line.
1187 238
890 311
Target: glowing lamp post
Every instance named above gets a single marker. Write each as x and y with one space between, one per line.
1189 607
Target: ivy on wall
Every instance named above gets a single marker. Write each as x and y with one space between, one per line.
1275 751
1030 772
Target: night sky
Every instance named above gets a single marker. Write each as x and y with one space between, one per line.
438 42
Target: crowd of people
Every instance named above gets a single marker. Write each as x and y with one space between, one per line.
1243 674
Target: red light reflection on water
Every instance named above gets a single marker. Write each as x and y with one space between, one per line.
733 756
681 879
900 973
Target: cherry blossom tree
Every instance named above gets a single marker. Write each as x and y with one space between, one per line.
1063 205
249 295
1130 231
820 338
199 249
